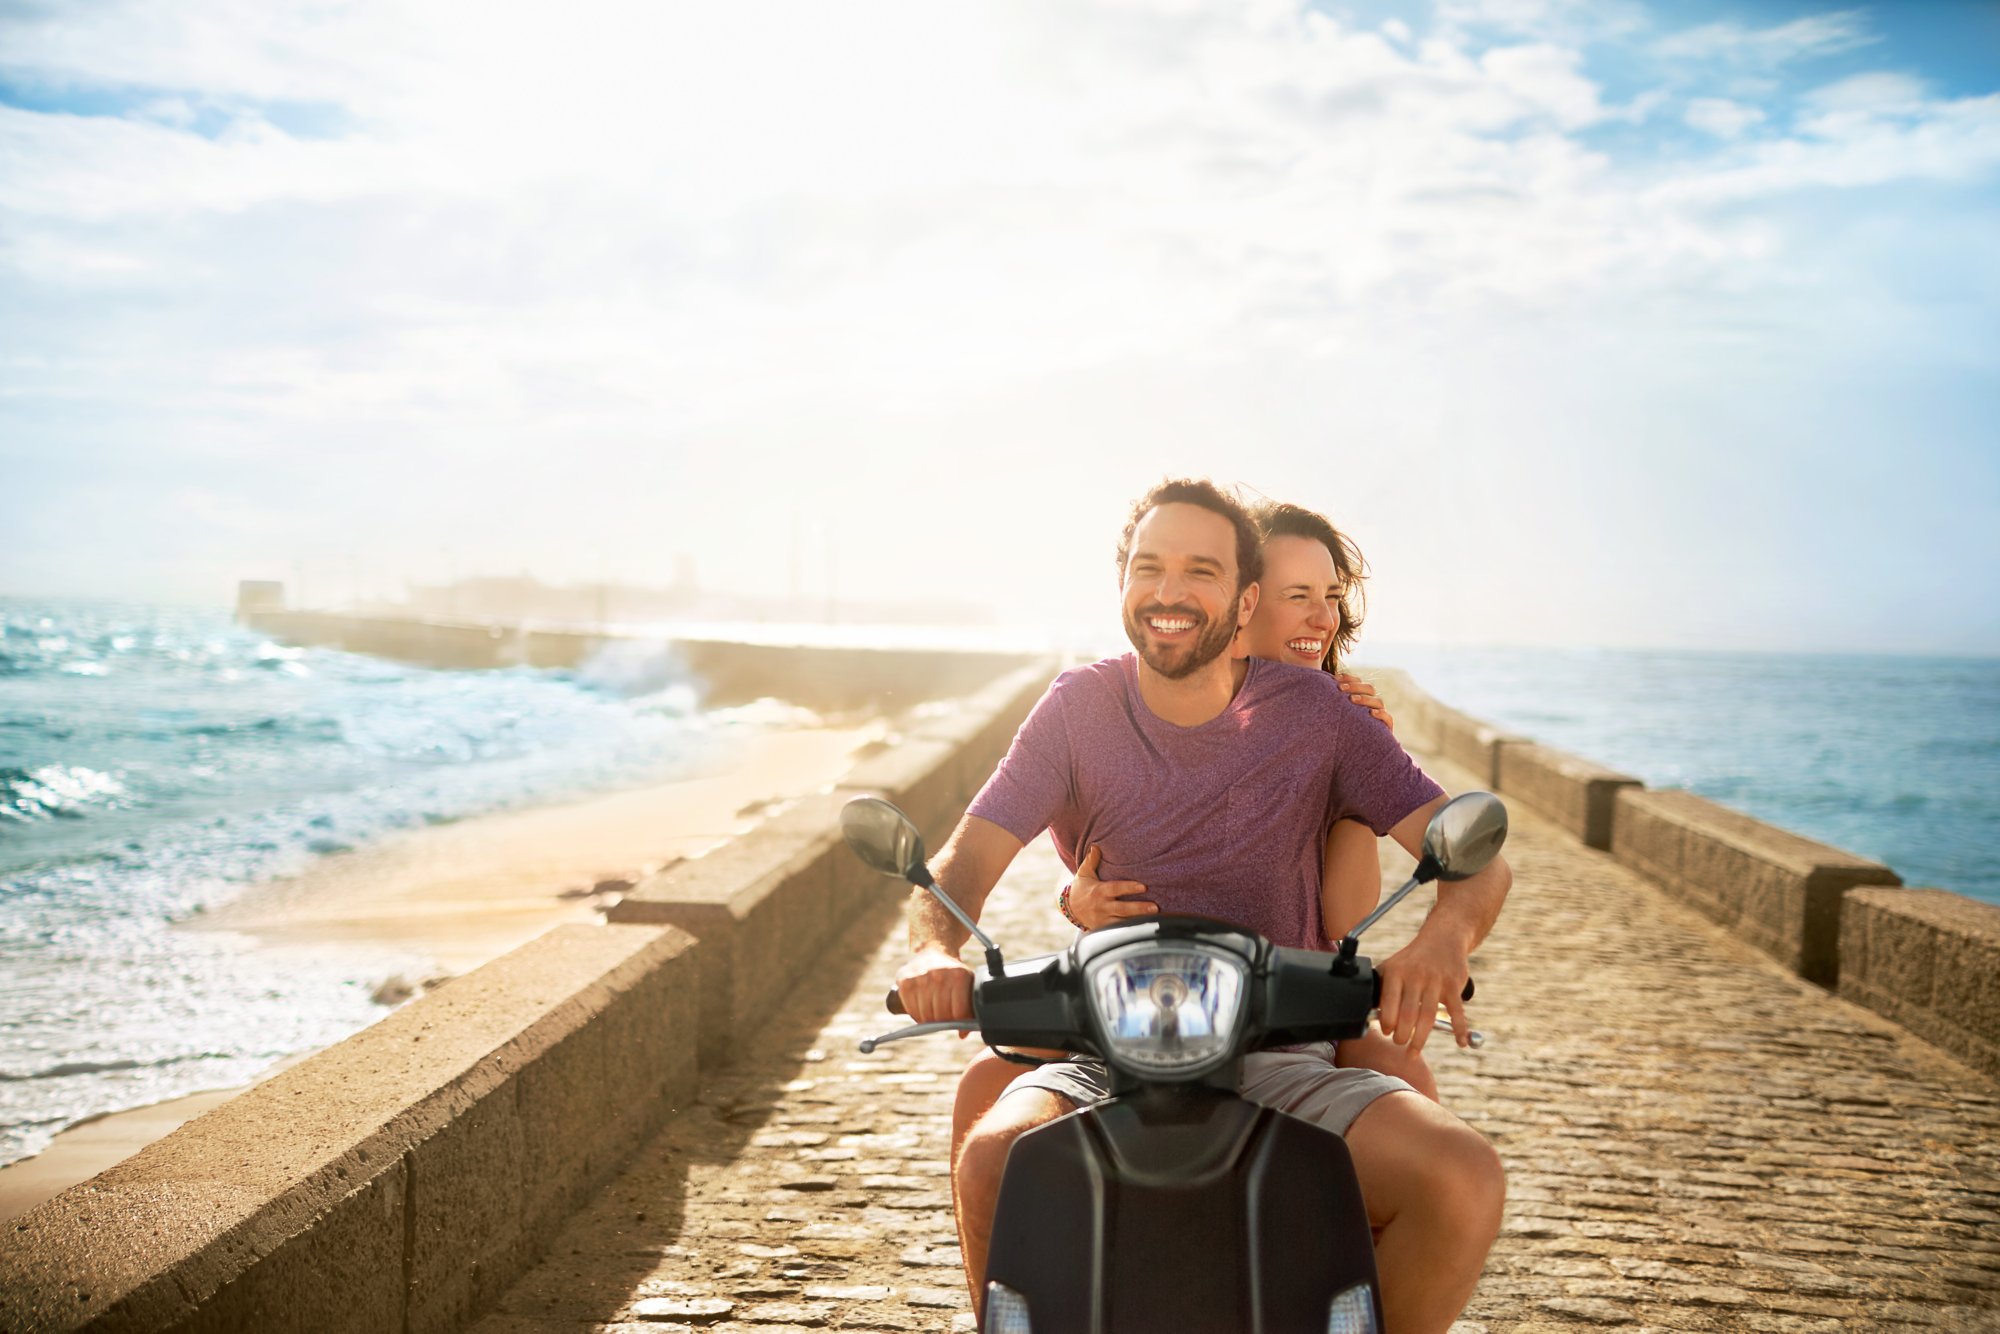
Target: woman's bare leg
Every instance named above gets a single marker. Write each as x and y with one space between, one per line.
986 1077
1373 1051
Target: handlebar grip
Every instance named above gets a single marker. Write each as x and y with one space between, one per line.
894 1001
1464 995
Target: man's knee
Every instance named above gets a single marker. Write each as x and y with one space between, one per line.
1412 1154
1471 1180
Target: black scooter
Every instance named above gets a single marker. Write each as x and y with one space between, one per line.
1175 1204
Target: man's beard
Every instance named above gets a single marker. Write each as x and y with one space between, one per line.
1179 661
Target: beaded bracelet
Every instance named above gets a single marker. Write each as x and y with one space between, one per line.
1062 906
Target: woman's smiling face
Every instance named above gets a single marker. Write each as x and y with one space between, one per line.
1298 611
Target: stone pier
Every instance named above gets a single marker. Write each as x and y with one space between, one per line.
1696 1138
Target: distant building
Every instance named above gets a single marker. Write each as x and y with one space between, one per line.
255 595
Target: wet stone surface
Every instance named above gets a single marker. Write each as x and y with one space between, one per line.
1695 1140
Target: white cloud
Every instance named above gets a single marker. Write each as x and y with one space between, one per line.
1731 43
1545 78
1955 140
1721 117
728 249
1878 92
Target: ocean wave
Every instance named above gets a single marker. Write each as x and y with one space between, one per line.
765 713
55 792
66 1069
212 760
638 669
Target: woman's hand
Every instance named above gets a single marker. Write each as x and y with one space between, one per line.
1364 694
1094 903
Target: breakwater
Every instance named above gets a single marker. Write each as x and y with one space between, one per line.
819 677
1925 958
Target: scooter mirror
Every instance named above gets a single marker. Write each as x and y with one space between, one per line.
883 837
1464 836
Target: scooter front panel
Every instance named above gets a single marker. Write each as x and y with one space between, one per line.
1260 1246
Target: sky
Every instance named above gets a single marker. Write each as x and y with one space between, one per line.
1596 323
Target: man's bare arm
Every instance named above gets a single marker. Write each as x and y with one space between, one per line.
1432 969
934 984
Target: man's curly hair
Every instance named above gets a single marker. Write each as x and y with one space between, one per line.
1209 496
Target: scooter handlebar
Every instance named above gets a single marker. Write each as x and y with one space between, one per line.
893 1002
1464 995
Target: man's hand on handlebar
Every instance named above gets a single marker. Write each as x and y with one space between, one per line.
1416 979
935 987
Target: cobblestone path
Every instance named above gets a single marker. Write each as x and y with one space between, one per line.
1695 1140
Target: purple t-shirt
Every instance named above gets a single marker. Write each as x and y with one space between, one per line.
1226 819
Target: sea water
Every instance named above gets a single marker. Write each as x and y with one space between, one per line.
1895 758
154 762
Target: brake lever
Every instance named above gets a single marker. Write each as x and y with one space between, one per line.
1475 1039
919 1030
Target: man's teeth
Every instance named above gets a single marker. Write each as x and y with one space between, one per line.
1168 626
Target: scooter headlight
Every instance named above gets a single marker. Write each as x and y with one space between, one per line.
1168 1010
1006 1311
1353 1312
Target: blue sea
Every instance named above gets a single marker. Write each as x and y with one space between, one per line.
154 762
1895 758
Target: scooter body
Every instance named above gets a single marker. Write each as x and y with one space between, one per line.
1193 1211
1176 1204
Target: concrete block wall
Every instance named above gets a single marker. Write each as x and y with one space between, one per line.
400 1180
764 903
1930 960
1777 890
1469 742
394 1181
1578 794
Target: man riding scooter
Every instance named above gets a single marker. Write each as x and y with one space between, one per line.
1212 780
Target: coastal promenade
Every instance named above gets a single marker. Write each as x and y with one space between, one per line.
1695 1138
663 1124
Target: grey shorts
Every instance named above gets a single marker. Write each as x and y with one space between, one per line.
1305 1083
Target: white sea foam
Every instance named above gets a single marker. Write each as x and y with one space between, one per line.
55 789
212 759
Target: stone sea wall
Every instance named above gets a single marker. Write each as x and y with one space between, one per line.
1926 958
402 1179
729 672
